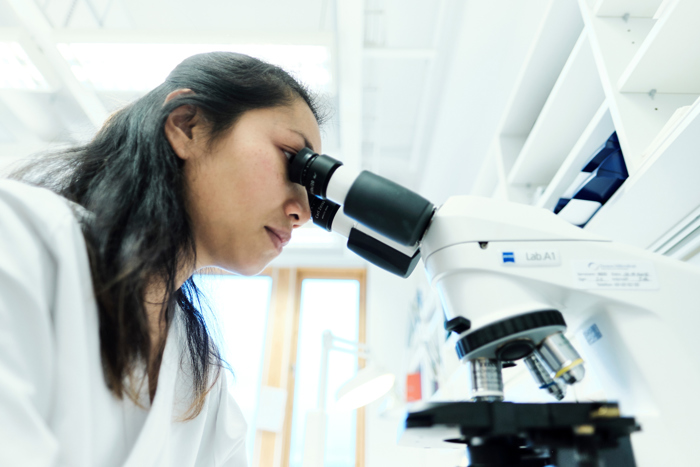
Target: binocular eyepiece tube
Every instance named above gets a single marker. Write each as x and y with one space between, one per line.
387 208
383 252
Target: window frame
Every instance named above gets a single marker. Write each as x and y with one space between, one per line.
281 342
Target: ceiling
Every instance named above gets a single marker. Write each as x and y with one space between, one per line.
417 87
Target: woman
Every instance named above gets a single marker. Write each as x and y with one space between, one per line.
105 358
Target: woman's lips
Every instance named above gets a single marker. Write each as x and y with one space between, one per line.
279 238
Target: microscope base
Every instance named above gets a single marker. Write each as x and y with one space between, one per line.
505 434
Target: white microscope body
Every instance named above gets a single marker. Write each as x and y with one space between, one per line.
514 281
635 315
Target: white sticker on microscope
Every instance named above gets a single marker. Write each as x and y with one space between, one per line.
615 275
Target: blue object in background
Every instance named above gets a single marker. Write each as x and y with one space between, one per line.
600 178
608 178
611 145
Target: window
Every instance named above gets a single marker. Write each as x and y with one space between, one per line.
326 304
270 333
292 312
241 308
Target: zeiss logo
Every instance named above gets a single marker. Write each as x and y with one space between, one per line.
530 258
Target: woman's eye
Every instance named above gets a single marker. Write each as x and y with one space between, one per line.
288 154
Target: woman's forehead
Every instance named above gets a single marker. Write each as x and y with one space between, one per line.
301 121
295 120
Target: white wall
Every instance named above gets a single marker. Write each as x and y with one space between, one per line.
388 302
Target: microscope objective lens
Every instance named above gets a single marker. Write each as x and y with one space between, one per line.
562 359
542 377
486 380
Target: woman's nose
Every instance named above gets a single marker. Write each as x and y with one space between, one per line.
298 210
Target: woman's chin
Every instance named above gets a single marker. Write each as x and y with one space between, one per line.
251 269
246 266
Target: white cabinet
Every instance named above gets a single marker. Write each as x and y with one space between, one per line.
598 66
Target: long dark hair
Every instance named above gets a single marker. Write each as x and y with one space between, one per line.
131 182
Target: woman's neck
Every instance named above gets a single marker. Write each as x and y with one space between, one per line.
156 301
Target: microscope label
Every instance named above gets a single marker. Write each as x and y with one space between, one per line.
614 275
530 258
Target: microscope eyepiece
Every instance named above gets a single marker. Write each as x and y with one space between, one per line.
323 212
312 170
392 219
376 202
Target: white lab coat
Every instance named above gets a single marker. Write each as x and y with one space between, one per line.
55 409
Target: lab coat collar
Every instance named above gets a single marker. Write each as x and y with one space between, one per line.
150 447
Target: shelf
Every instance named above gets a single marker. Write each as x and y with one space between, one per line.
683 241
558 32
667 60
574 99
638 117
500 192
615 42
541 143
644 117
596 133
511 145
488 177
662 193
619 8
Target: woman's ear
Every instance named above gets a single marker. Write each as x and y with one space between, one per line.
179 126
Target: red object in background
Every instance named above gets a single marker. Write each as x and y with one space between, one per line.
413 385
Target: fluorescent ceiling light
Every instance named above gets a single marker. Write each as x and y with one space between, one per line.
142 67
18 71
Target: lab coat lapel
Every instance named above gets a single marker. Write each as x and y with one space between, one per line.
151 446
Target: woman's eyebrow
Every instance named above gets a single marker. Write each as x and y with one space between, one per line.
306 140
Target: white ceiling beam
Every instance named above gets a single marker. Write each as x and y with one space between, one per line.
446 30
24 114
350 40
31 113
35 54
399 52
13 126
31 118
32 18
299 37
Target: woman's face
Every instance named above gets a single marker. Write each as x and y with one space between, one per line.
242 205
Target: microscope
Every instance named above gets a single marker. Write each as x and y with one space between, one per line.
515 281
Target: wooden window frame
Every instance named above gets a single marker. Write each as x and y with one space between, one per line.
281 342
